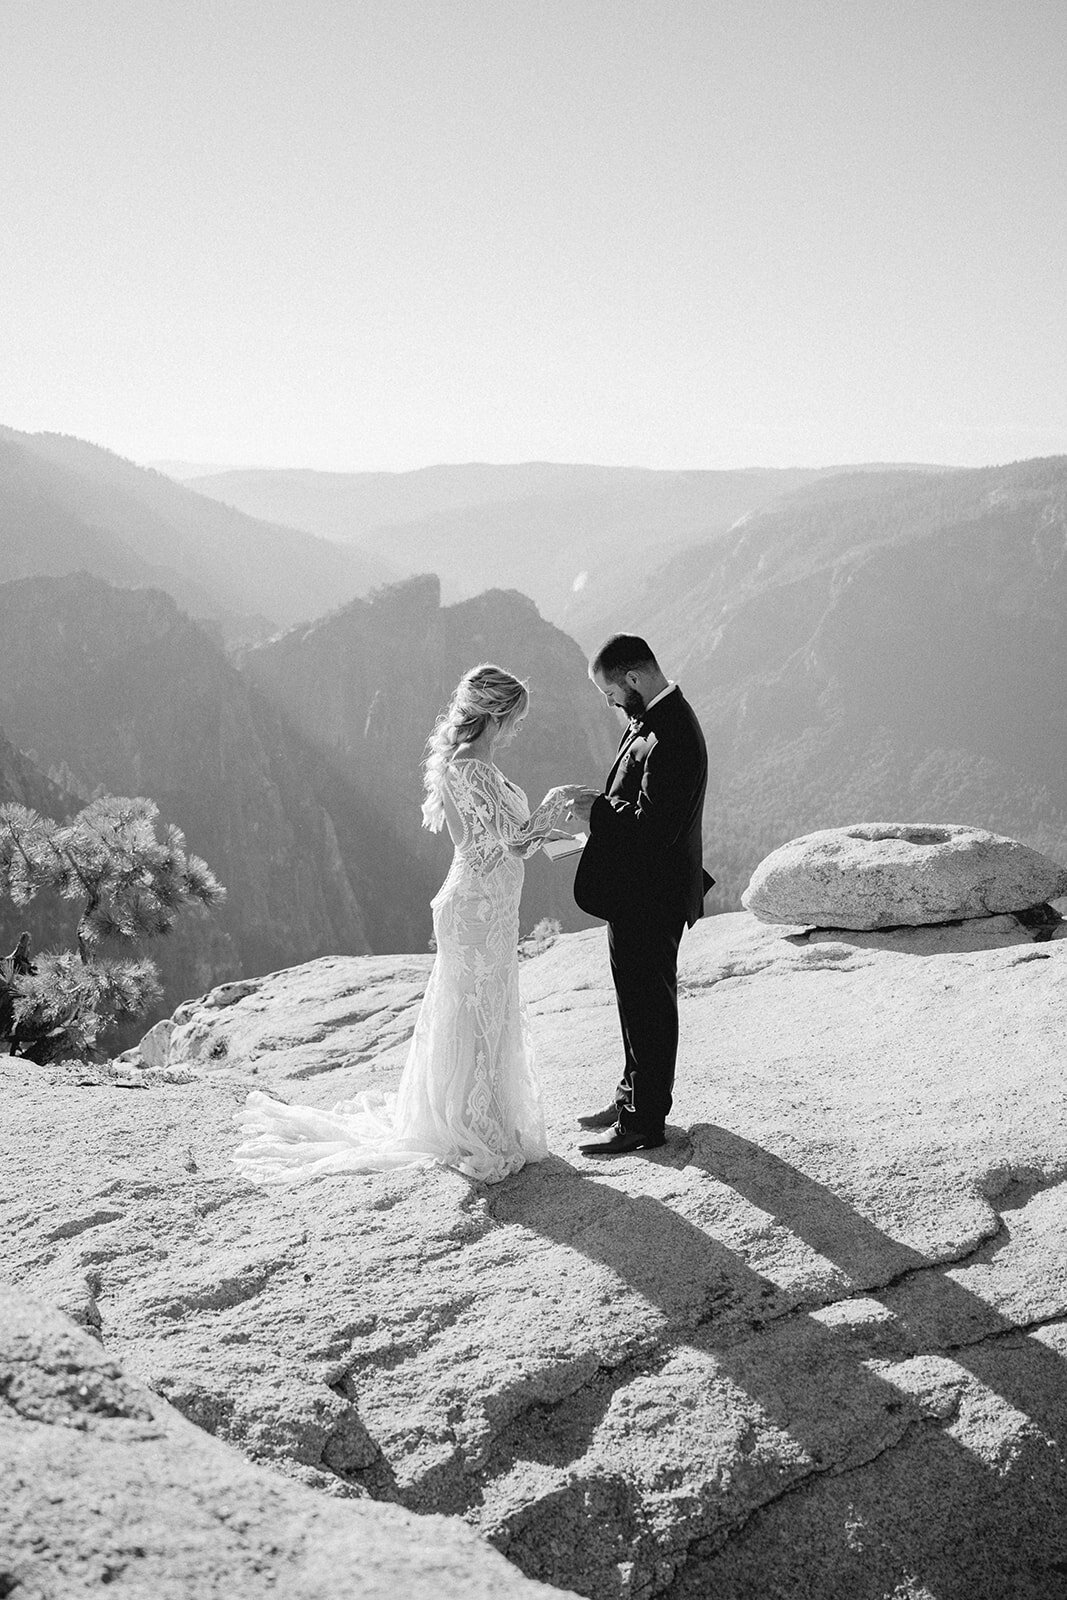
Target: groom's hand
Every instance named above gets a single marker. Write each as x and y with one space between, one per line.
582 803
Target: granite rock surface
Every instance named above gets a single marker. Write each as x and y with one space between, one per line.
889 874
107 1486
814 1346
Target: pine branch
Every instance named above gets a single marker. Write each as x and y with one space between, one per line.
133 885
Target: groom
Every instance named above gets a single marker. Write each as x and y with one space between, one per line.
641 871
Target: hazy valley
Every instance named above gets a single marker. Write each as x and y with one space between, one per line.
66 505
573 538
860 644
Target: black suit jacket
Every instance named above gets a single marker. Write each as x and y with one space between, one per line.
643 856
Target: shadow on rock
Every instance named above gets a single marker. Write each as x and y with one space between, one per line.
902 1394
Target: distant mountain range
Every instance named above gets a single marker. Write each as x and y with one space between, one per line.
885 646
118 691
571 537
296 777
860 645
365 684
189 471
65 505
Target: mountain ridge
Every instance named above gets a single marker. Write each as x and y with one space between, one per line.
365 683
877 648
533 526
135 524
293 769
125 694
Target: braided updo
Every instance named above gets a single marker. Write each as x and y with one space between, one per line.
483 695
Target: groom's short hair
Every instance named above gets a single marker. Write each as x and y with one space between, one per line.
622 653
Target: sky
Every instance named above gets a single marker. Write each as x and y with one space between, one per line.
380 234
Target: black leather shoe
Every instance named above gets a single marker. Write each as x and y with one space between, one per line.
601 1119
623 1144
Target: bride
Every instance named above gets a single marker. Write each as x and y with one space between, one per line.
468 1095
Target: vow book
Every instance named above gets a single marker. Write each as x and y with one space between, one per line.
556 848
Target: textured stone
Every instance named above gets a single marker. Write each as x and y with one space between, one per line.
107 1485
842 1283
154 1048
883 875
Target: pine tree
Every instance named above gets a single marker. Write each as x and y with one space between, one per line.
129 885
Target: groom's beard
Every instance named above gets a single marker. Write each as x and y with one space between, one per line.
633 704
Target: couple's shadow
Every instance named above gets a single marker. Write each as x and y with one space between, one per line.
968 1522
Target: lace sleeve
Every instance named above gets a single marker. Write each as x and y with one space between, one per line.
487 825
530 836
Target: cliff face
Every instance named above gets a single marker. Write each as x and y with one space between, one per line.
119 691
365 685
26 785
887 644
297 779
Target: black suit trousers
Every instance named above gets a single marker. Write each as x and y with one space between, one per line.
644 969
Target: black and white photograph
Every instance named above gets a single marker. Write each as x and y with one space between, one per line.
533 799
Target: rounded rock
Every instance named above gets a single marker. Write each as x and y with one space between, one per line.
899 874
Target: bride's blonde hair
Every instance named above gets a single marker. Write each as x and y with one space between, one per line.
483 695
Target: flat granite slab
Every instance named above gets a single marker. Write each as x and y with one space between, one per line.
814 1346
106 1486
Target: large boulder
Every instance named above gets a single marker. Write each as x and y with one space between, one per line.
895 874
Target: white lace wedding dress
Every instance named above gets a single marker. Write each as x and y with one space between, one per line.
468 1095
